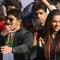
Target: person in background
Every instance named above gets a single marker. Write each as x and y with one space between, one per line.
16 42
57 4
2 19
12 4
49 40
49 5
28 16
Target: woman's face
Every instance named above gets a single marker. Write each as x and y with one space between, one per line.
56 23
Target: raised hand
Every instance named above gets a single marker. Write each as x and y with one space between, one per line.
40 41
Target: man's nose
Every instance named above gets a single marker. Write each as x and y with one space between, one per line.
39 16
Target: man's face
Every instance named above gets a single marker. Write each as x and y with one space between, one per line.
40 15
13 22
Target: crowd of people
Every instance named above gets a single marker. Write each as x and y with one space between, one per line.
32 33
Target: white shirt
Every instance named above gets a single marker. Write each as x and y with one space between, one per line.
52 7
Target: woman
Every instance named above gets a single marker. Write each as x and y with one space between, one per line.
49 41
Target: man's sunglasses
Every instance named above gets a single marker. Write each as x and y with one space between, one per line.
9 19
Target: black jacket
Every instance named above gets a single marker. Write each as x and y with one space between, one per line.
22 43
41 54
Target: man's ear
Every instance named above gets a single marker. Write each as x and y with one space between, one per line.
19 21
46 13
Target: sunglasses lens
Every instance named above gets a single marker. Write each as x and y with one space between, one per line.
10 19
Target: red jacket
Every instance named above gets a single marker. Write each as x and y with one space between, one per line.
2 25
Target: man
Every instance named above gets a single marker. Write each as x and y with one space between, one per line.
18 45
3 10
40 14
12 4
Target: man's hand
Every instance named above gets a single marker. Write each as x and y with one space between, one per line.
6 49
45 1
6 30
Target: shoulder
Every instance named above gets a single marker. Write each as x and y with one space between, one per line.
25 32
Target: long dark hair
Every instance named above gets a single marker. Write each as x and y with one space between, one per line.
48 27
57 48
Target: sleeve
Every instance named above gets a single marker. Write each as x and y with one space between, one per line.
1 36
26 46
41 54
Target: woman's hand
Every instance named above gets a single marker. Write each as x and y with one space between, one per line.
40 42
